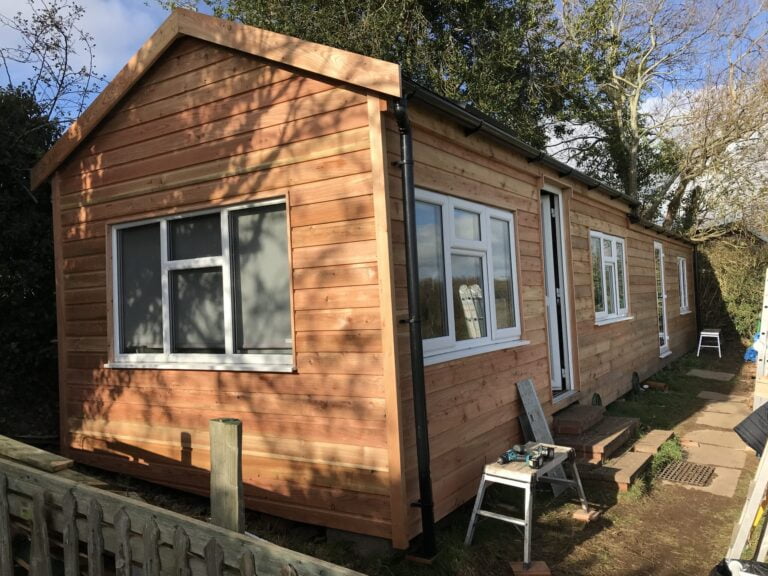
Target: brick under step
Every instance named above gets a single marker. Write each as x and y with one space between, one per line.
600 442
576 419
621 471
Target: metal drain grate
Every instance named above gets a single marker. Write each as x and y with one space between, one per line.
688 473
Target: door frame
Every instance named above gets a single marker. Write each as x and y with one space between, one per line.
664 350
566 288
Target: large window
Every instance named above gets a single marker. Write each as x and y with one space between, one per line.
682 271
207 290
609 276
467 275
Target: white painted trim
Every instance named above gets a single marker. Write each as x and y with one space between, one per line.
447 346
665 349
120 365
614 240
475 350
608 321
168 359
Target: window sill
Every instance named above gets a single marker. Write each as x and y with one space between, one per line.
665 354
606 321
684 311
283 368
565 397
439 357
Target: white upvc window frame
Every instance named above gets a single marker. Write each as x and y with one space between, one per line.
448 347
682 278
191 361
611 263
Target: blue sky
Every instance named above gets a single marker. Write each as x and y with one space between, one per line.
119 28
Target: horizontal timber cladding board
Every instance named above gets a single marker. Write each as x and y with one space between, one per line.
180 120
333 233
87 328
332 211
318 108
294 153
345 175
334 254
309 405
337 430
337 341
85 295
191 382
199 438
77 280
196 481
338 319
245 81
162 161
197 79
185 55
337 275
303 471
338 297
339 363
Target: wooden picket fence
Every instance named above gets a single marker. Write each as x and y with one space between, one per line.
77 529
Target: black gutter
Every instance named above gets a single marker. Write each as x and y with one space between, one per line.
428 545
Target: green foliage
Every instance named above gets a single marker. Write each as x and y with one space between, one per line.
669 452
497 56
732 272
27 291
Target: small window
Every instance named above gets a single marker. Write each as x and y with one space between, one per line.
467 275
206 290
682 269
609 276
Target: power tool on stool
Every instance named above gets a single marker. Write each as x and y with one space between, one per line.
534 456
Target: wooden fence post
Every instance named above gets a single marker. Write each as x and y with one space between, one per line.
123 552
40 555
6 557
71 541
95 539
227 506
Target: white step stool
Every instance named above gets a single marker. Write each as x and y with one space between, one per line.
712 334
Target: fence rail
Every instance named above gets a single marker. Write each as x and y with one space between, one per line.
90 531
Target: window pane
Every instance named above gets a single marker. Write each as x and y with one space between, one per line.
466 224
429 246
502 274
607 248
197 312
140 289
468 297
195 237
261 287
620 274
597 274
610 288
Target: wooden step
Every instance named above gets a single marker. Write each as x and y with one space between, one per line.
600 442
576 419
651 442
622 471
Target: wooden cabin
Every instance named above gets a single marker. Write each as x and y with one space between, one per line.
228 225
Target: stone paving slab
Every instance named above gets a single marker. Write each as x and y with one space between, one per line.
711 375
728 408
651 442
716 456
709 395
718 419
723 483
724 438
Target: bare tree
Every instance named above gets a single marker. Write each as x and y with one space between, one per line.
50 41
634 51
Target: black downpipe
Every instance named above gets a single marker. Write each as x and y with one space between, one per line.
425 503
